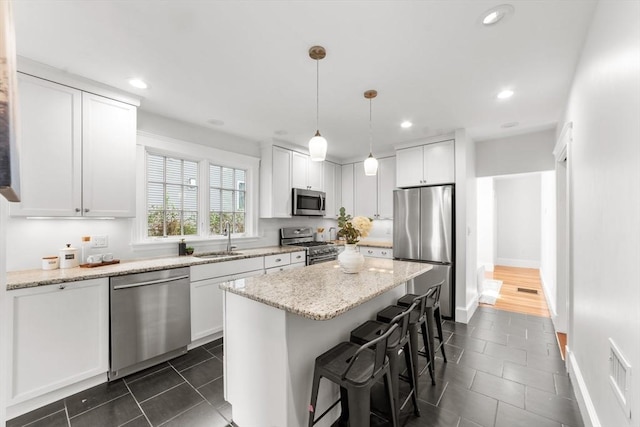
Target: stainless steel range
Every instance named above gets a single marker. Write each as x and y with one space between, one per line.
303 237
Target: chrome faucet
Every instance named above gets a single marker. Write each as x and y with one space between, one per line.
227 232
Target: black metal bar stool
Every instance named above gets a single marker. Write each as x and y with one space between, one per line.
417 322
397 344
432 314
355 369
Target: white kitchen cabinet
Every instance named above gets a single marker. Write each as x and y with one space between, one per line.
332 187
429 164
305 173
206 296
275 182
386 185
347 188
78 152
366 189
59 336
376 252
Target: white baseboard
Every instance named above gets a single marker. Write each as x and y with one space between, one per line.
551 307
523 263
587 410
464 314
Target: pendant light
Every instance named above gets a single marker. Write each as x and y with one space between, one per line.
317 144
371 163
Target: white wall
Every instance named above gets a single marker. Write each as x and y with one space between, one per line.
4 340
531 152
548 241
518 220
486 219
604 182
466 223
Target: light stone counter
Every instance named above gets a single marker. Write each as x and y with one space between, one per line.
372 243
30 278
322 291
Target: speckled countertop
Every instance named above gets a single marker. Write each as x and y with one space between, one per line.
30 278
323 291
372 243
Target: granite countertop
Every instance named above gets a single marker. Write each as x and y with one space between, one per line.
371 243
31 278
323 291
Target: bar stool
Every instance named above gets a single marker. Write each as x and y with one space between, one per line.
355 369
432 313
417 322
398 343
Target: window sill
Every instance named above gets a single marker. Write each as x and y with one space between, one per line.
170 242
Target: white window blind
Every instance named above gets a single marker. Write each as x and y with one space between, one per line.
227 195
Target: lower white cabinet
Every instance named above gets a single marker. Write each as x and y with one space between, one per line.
206 296
59 336
376 252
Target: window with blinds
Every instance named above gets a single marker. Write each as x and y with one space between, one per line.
227 195
172 196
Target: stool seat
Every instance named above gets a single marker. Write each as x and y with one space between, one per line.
388 313
408 299
371 330
335 362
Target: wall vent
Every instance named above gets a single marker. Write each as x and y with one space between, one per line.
620 377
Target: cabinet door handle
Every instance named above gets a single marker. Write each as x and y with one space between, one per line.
384 253
370 251
62 286
78 209
86 209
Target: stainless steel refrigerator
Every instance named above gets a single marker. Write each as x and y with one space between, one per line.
423 230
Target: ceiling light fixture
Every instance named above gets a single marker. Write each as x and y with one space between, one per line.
505 94
370 163
137 83
496 14
406 124
509 125
317 144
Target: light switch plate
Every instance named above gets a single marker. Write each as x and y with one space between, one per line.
99 241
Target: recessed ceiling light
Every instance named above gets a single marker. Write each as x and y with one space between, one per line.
281 132
505 94
496 14
406 124
215 122
509 125
138 83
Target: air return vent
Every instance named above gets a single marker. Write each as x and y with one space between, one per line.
620 377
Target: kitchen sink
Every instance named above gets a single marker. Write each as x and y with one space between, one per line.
219 254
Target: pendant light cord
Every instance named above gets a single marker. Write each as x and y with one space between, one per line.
317 95
370 130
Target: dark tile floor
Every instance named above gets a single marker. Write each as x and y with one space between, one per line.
504 370
186 391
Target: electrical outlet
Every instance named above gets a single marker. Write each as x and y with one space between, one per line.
99 241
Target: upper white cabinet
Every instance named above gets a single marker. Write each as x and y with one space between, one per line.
347 184
281 170
386 185
59 335
305 173
426 165
332 174
77 152
275 182
366 190
373 195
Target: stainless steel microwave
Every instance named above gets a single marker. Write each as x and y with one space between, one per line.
308 202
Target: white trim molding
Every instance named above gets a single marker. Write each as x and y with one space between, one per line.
522 263
587 409
560 150
464 314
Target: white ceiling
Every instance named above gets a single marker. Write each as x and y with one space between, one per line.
246 63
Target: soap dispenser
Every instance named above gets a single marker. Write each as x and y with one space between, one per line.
182 248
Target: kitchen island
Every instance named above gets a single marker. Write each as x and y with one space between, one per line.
276 325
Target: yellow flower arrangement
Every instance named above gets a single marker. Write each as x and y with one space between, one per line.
352 228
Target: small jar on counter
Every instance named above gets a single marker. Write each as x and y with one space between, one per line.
69 257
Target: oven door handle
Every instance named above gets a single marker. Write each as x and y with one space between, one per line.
331 257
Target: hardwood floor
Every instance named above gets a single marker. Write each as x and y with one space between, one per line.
519 301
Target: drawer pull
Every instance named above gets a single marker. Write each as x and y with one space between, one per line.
370 251
384 252
62 286
278 260
299 256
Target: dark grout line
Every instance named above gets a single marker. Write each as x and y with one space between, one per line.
96 407
144 414
43 417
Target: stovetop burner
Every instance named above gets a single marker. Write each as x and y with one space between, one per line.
309 244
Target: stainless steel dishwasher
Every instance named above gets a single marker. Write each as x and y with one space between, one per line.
150 319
